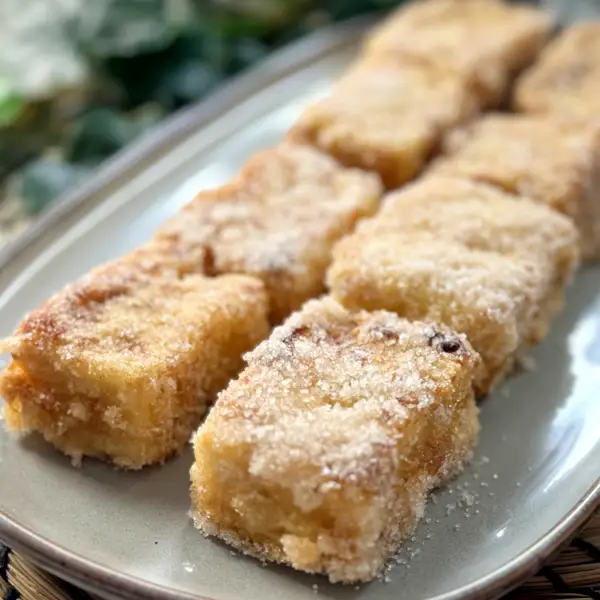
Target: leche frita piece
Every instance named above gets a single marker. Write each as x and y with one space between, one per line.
386 115
122 364
566 79
487 42
487 264
547 158
277 221
322 453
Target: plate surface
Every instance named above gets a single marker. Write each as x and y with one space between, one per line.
127 535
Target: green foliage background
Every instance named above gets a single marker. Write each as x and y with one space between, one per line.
115 68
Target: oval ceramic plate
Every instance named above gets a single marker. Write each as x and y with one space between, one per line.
534 479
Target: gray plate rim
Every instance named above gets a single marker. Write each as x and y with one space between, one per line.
86 573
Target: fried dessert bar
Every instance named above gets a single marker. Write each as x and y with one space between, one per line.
566 79
322 453
122 364
277 221
386 115
483 262
486 41
547 158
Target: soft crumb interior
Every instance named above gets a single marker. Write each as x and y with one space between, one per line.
322 452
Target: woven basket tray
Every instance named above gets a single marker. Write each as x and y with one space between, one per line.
574 573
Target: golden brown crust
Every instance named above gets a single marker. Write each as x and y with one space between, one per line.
386 115
485 41
322 453
547 158
276 221
487 264
122 364
566 79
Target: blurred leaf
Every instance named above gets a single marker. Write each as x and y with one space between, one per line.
138 76
295 31
102 132
147 116
215 49
11 105
105 28
70 55
26 137
245 53
344 9
44 180
185 82
97 135
231 25
184 72
14 152
37 59
271 11
390 4
237 18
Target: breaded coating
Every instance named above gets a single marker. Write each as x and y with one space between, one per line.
547 158
277 221
322 453
122 364
486 41
566 79
386 115
486 264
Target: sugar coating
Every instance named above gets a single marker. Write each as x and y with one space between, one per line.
465 254
277 221
486 41
322 453
482 217
566 79
387 115
547 158
122 364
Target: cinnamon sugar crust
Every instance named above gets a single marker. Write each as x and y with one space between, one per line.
122 364
322 453
276 221
462 253
566 78
486 42
387 115
548 158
